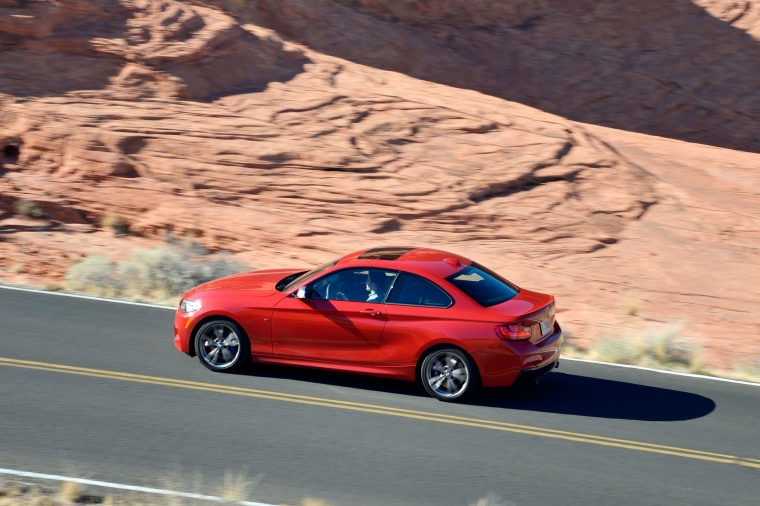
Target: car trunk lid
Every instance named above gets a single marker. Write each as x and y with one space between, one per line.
529 315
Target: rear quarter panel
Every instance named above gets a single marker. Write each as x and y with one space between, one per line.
411 331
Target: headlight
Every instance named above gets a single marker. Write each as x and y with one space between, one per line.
188 306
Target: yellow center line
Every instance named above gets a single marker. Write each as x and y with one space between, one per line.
386 410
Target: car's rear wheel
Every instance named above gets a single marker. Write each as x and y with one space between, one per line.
448 374
221 345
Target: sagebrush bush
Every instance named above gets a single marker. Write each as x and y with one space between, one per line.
96 274
158 272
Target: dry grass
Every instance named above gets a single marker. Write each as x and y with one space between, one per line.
492 500
627 334
632 302
660 346
70 494
235 488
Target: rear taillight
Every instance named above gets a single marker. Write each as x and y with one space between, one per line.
519 331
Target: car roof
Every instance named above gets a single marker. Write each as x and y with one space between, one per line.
419 260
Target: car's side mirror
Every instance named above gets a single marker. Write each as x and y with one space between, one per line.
301 293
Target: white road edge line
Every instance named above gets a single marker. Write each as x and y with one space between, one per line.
674 373
132 488
88 297
688 375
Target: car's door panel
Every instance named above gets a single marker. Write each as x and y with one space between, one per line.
330 330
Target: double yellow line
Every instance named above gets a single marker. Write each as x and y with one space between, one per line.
386 410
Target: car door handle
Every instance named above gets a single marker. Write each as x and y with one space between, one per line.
370 312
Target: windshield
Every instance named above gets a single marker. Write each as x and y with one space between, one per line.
483 285
303 277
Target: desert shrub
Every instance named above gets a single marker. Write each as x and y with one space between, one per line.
660 346
96 274
632 303
220 266
192 245
194 248
115 223
166 271
158 272
616 350
29 208
161 270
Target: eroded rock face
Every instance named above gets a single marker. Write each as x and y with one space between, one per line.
680 69
135 49
176 118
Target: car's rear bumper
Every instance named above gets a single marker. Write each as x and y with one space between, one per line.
516 360
531 375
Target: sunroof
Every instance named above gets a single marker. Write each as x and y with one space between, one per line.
384 253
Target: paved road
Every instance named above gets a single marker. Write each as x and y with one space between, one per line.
588 434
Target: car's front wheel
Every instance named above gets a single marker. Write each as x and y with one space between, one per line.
221 345
448 374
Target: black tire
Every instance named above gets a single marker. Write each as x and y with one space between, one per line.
221 345
448 374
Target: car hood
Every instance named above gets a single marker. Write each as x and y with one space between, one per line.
261 283
523 304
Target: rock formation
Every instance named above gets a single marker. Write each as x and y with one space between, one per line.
682 69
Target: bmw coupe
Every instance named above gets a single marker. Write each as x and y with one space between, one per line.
414 314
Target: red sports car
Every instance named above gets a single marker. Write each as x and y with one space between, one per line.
414 314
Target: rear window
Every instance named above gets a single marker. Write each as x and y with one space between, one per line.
483 285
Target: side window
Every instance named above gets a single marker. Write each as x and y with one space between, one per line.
413 290
356 285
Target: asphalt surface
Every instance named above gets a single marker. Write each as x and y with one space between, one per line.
587 434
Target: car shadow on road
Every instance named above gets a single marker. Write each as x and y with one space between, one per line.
571 394
560 393
337 379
